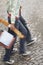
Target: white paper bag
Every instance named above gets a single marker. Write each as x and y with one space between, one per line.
6 38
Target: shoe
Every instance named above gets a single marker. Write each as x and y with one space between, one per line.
14 51
30 42
26 53
10 62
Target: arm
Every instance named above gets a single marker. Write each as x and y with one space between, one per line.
20 10
13 8
14 29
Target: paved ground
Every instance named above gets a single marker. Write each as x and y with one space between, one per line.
33 13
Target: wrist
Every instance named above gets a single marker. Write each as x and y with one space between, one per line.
9 25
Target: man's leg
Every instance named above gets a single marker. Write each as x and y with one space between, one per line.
7 56
21 27
22 41
22 20
11 32
8 52
28 38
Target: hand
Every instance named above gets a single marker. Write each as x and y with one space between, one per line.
11 26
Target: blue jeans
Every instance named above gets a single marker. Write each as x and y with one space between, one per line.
23 30
28 38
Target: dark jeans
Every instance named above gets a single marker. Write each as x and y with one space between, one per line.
20 27
22 20
28 38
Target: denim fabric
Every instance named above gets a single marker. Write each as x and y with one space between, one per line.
20 27
28 38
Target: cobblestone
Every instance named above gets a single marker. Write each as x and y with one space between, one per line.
33 13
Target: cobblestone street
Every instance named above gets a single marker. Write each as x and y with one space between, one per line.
32 11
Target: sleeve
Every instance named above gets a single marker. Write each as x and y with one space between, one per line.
13 8
17 8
